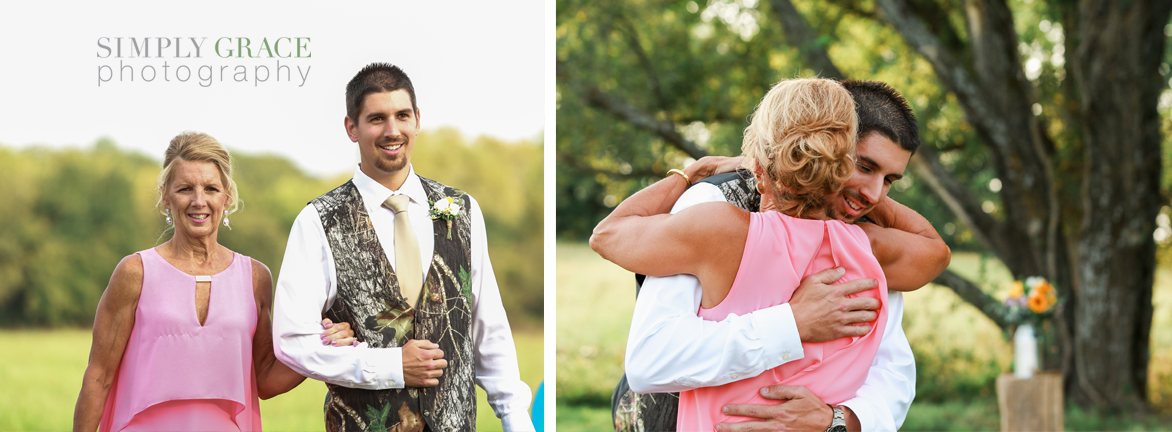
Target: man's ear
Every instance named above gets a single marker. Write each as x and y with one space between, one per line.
417 119
351 129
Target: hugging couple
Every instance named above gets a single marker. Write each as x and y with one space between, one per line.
773 293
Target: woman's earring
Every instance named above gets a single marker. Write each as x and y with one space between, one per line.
760 189
225 218
168 212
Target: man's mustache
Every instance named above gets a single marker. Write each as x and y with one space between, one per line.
388 141
858 197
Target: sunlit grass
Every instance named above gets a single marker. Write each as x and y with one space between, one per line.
41 373
594 305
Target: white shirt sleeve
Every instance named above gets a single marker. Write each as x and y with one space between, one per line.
883 401
662 352
492 339
302 295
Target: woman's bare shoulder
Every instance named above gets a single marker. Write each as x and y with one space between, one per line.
126 282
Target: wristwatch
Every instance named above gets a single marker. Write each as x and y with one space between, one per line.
838 423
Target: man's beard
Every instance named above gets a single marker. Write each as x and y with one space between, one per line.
833 211
392 165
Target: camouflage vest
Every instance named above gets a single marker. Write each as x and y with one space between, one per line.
633 412
369 299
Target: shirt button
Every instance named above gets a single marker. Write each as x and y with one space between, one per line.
785 356
734 376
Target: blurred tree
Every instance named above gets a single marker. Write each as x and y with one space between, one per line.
1040 121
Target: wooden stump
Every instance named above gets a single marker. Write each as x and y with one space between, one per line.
1031 404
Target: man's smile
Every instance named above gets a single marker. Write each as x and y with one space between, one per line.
392 147
853 208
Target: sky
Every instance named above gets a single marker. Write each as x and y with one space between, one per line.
479 67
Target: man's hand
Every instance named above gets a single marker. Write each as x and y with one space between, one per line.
709 166
824 312
423 363
799 410
338 334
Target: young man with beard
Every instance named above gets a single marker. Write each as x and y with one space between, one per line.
670 349
412 277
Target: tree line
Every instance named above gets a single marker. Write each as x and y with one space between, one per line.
73 214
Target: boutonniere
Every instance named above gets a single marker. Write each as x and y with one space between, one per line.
444 208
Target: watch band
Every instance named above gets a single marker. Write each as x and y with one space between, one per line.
838 422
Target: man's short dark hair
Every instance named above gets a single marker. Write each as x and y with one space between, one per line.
376 78
882 109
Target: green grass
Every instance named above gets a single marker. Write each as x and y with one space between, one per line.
959 353
41 372
583 418
41 375
595 300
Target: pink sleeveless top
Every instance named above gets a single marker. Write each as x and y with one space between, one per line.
781 250
174 371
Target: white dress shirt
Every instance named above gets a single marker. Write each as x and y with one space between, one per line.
307 287
670 349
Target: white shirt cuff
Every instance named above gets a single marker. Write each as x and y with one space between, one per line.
779 333
385 366
517 421
865 413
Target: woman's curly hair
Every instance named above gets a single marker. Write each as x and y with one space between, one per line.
802 136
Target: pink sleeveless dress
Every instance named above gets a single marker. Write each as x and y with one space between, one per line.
781 250
177 375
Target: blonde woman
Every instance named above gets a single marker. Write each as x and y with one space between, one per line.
182 337
800 146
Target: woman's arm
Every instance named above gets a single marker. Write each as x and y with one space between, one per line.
906 245
272 376
112 326
705 240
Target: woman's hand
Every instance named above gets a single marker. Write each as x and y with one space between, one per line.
908 248
339 334
709 166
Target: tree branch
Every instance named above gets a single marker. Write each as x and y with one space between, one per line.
597 98
952 73
799 34
966 207
580 165
631 35
973 294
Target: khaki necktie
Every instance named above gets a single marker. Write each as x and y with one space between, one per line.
407 264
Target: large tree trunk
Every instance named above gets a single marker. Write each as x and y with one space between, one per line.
1117 48
1117 76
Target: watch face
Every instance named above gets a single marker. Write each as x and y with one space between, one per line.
838 428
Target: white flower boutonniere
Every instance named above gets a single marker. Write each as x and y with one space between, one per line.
445 208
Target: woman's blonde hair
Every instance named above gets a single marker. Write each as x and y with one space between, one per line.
197 147
802 136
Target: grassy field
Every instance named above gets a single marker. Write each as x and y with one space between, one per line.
959 352
47 366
